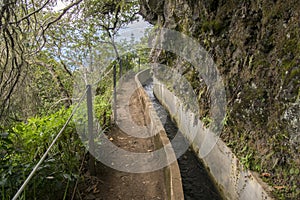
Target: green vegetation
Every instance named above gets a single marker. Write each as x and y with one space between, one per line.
215 25
47 58
23 144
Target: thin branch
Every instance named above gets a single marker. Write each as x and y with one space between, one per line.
65 67
65 10
30 14
68 99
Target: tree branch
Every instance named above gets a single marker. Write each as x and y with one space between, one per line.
65 10
30 14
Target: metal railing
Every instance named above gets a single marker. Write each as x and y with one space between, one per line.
88 94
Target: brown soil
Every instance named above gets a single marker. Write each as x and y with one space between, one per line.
113 184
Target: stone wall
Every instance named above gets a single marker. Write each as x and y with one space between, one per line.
234 181
256 47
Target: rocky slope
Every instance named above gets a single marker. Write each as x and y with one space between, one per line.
256 46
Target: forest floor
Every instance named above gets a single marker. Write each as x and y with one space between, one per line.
114 184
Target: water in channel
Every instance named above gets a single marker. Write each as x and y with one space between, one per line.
196 182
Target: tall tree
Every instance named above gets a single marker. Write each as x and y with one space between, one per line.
110 16
23 29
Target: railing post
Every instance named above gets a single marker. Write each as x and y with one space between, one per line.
115 93
139 63
90 130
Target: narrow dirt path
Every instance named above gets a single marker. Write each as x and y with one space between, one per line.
131 135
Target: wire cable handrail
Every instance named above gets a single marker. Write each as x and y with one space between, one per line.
49 148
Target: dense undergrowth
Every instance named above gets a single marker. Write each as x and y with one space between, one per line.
22 146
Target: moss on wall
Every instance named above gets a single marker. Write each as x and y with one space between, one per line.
256 46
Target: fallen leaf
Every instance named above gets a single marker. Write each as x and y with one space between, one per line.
95 190
279 187
265 174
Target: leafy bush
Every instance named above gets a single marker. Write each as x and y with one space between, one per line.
102 107
23 145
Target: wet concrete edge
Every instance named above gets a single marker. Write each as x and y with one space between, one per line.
172 173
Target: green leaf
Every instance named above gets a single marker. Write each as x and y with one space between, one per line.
3 182
67 176
297 171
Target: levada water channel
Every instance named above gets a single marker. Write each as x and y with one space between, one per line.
197 184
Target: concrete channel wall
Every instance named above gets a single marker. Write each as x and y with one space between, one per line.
229 175
172 172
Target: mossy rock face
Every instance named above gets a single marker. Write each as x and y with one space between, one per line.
256 46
